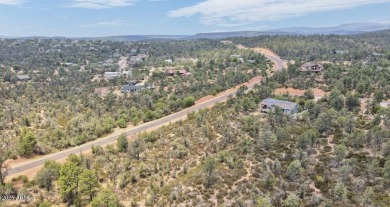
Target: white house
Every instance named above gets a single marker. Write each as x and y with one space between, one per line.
385 104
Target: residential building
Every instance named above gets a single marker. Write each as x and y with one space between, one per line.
23 77
376 54
385 104
134 60
130 88
269 104
169 72
311 67
110 75
184 73
236 56
127 74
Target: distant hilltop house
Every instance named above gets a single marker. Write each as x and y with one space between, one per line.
93 49
169 61
134 60
376 54
338 52
169 72
385 104
238 57
252 61
110 75
23 77
269 104
131 88
70 64
311 67
182 72
127 74
226 42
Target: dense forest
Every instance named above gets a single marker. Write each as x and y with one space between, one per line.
335 151
332 48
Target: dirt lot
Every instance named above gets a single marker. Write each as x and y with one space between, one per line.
103 91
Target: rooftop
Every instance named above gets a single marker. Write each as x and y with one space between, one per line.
279 103
132 87
23 77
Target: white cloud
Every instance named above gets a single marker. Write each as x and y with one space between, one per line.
101 4
114 23
11 2
225 12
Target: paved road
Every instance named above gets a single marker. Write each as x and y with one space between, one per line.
146 126
83 148
279 62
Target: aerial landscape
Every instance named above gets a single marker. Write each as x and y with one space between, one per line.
226 103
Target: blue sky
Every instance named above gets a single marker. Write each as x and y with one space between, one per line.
91 18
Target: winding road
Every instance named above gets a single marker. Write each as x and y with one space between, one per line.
24 167
279 62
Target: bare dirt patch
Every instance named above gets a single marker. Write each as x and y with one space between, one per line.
103 91
363 104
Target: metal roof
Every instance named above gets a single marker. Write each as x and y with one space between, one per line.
279 103
23 77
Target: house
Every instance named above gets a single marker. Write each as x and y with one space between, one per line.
236 56
70 64
130 88
311 67
338 52
134 60
127 74
269 104
184 73
133 82
187 74
169 61
23 77
375 54
385 104
169 72
110 75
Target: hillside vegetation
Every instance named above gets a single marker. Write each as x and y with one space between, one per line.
334 152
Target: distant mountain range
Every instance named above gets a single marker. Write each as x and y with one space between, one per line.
345 29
